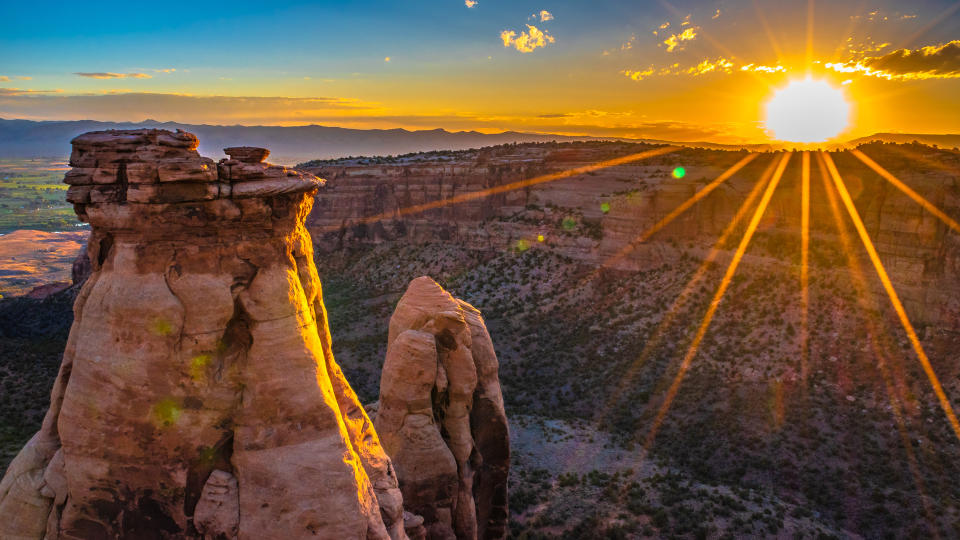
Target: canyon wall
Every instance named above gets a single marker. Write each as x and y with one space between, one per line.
591 217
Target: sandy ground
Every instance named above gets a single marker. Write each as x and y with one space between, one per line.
32 258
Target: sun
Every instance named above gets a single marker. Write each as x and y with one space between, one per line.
807 111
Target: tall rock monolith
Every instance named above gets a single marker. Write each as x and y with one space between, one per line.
198 396
441 416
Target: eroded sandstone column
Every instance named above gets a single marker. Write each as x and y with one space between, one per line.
441 415
198 395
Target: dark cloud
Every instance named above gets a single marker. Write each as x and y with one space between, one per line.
933 62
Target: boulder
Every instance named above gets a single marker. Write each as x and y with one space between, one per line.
247 154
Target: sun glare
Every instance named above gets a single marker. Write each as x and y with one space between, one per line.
807 111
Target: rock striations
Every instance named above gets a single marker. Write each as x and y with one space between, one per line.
441 416
198 396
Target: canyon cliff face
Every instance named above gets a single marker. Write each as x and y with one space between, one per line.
591 217
198 395
441 415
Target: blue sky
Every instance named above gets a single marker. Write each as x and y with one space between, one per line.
601 67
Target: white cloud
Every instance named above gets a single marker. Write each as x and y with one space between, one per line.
528 41
706 66
638 75
625 46
675 41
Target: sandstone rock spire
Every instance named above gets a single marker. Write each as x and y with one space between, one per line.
441 415
198 396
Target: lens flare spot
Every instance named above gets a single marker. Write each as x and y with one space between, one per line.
540 238
161 327
679 172
198 365
166 412
605 207
208 454
522 245
568 223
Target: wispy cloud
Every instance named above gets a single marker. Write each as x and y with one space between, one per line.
109 75
716 15
527 41
545 16
880 16
470 3
720 65
707 66
760 68
23 92
638 75
625 46
4 78
126 106
675 41
931 62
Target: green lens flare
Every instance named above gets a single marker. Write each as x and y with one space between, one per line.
679 172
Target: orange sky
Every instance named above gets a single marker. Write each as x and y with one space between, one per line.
697 70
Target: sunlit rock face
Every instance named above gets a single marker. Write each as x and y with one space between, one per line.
441 415
198 396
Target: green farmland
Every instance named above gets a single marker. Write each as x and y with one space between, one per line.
32 196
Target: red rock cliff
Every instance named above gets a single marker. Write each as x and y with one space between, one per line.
198 395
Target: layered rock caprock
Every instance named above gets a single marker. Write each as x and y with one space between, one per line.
441 416
198 395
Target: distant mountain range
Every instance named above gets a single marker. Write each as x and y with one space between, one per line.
288 145
295 144
943 141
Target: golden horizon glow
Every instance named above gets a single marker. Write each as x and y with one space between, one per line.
807 111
